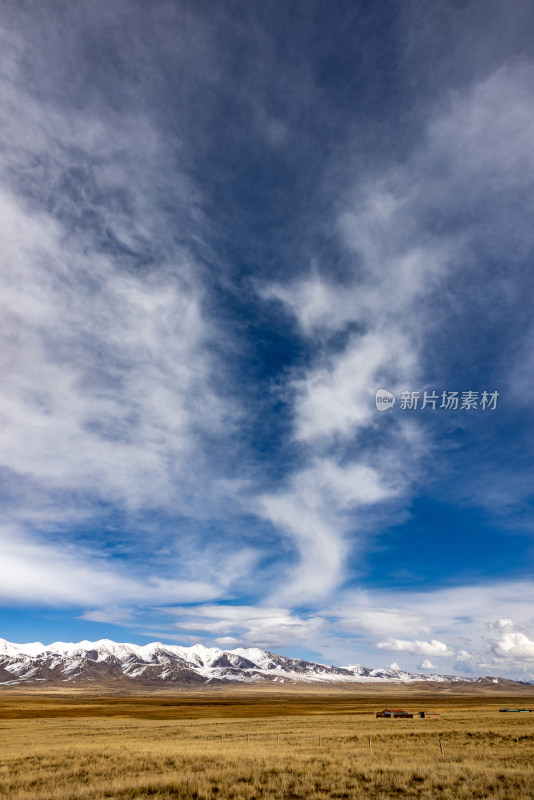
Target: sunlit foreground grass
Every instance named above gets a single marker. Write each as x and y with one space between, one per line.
485 754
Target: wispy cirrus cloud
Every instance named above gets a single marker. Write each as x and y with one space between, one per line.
267 627
103 364
315 513
113 615
43 573
107 348
384 322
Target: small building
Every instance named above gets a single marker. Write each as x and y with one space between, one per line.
394 713
517 710
400 713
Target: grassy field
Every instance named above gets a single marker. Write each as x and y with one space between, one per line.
244 747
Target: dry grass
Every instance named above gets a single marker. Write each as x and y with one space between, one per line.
262 747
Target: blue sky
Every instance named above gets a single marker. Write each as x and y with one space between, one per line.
224 227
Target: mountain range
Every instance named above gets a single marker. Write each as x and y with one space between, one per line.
158 664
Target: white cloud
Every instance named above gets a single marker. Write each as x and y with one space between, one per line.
463 655
495 150
403 282
103 358
433 648
455 615
249 625
310 513
31 571
427 664
337 398
514 645
504 624
510 645
115 616
101 386
381 621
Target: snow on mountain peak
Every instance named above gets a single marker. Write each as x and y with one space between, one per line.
260 657
107 660
31 648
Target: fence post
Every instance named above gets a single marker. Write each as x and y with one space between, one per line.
441 747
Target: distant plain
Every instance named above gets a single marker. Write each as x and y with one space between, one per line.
247 744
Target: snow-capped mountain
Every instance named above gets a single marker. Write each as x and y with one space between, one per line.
156 664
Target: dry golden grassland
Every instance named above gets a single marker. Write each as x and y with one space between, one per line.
264 746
